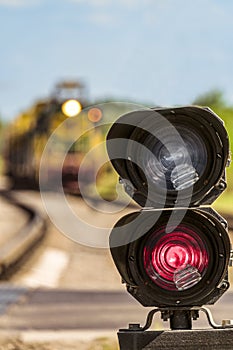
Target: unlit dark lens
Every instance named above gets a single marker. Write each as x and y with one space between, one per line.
174 164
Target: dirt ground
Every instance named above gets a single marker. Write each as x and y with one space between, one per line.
99 344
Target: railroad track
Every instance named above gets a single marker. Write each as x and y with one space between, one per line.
22 244
17 249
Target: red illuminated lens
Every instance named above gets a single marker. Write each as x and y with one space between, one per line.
176 260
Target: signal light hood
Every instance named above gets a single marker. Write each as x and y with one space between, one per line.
201 236
170 156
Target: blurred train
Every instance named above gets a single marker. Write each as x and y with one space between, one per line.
27 137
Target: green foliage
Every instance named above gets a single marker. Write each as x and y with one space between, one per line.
213 98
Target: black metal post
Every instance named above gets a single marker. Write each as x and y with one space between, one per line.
181 319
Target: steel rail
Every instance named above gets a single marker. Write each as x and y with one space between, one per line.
16 249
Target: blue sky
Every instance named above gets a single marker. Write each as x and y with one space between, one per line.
162 51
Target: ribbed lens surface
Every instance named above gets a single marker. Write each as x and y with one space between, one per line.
176 260
178 165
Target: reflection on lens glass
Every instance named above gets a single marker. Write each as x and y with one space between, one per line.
177 164
186 277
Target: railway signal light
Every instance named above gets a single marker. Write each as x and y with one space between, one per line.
185 266
174 253
177 153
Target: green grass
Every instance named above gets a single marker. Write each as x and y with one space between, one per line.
224 204
1 165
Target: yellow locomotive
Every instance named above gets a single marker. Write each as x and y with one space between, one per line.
28 135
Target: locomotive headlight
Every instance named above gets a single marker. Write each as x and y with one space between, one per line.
189 150
71 108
